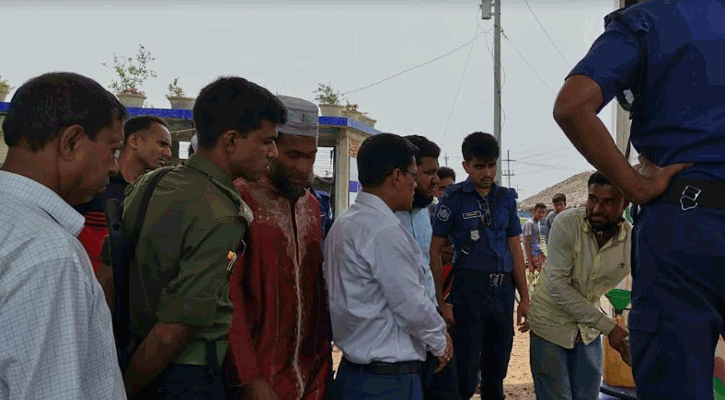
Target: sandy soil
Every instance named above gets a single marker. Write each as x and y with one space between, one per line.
518 384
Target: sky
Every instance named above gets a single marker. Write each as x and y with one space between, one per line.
290 47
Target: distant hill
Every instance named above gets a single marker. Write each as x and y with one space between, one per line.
575 189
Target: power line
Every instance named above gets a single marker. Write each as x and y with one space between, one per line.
546 152
546 165
527 63
412 68
546 33
460 83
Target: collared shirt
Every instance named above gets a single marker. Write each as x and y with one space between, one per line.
376 288
458 215
193 227
417 223
577 275
56 339
531 228
681 114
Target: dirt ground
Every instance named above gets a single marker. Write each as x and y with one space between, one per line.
518 383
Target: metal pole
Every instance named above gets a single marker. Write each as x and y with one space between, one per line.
497 84
508 165
619 115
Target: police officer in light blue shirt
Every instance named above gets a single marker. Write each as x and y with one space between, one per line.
481 220
442 385
670 55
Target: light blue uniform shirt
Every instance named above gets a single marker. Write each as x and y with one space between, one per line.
418 224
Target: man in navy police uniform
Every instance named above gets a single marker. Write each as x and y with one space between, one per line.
669 54
481 220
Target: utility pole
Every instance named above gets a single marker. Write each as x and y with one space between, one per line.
497 84
508 172
486 14
446 159
621 119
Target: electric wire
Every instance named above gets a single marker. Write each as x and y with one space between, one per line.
546 33
414 67
528 64
460 84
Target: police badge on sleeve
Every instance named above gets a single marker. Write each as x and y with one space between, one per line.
444 213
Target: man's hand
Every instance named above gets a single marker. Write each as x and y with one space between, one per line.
259 390
617 339
446 357
447 314
522 311
655 180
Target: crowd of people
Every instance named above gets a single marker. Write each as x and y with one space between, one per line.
224 277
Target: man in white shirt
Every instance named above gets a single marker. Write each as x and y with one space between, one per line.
63 131
382 318
589 254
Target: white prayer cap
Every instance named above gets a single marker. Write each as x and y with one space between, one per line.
301 117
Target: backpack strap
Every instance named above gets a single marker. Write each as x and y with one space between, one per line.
145 200
470 242
123 251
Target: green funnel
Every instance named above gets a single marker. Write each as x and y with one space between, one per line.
619 298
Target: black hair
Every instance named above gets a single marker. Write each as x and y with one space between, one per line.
141 123
539 205
558 197
426 148
382 154
234 103
445 172
44 105
598 178
480 145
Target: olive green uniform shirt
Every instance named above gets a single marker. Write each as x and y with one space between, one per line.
194 225
576 276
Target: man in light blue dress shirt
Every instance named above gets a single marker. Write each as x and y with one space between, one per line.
63 131
382 318
442 385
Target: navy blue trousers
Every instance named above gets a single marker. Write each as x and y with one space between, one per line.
678 294
188 382
483 334
442 385
351 384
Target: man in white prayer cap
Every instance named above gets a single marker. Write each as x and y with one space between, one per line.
281 336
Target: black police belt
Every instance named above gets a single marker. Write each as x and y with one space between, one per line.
383 368
691 194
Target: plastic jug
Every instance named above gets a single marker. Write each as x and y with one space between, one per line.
616 372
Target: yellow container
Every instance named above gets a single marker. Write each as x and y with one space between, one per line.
616 372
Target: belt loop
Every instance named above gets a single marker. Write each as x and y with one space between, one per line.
688 201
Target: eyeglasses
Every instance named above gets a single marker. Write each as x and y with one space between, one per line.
415 174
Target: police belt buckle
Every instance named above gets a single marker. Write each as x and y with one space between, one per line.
688 201
495 279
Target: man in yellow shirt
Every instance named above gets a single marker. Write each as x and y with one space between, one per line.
589 254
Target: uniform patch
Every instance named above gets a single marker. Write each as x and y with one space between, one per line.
471 215
444 213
